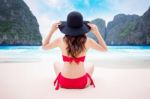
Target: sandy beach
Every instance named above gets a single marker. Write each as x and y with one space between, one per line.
116 76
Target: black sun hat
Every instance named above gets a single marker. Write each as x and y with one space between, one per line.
74 26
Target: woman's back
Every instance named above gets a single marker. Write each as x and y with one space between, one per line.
73 69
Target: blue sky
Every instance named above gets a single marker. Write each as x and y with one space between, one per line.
49 11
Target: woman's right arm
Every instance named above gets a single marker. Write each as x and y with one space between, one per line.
101 45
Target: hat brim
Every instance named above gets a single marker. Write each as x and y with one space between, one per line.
64 28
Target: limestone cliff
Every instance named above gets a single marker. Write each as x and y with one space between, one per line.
18 26
126 29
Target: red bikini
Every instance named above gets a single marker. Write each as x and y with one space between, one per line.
75 83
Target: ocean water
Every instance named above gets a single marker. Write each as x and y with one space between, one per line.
36 53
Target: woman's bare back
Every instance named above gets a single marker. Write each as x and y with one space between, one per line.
72 70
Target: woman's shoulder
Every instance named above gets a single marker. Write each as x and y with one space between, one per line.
61 41
89 40
87 43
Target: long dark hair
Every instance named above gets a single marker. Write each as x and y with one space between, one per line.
75 44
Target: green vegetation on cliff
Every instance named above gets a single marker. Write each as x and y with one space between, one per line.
18 26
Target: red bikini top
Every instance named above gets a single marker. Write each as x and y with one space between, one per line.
70 59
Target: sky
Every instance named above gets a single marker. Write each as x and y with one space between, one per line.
50 11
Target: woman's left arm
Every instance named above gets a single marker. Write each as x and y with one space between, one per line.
46 43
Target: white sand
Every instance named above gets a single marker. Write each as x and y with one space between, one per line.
115 78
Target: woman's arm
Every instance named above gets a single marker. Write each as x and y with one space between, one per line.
102 45
46 43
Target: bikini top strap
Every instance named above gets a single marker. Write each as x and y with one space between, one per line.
57 81
92 83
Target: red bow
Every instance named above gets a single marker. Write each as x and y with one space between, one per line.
70 59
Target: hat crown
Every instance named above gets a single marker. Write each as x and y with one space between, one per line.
75 20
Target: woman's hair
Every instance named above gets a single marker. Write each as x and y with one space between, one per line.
75 44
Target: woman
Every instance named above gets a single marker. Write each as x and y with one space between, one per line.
73 73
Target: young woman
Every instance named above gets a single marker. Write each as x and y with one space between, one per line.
74 73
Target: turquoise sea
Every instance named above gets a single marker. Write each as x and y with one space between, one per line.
36 53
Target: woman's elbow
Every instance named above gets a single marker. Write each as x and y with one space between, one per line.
105 49
44 47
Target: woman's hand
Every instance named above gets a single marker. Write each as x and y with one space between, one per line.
101 43
54 26
94 28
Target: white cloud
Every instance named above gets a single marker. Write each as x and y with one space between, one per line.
53 2
59 4
129 6
33 6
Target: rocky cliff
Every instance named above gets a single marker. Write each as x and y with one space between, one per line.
101 26
126 29
18 26
146 26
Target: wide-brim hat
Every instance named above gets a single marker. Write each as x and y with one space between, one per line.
74 26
